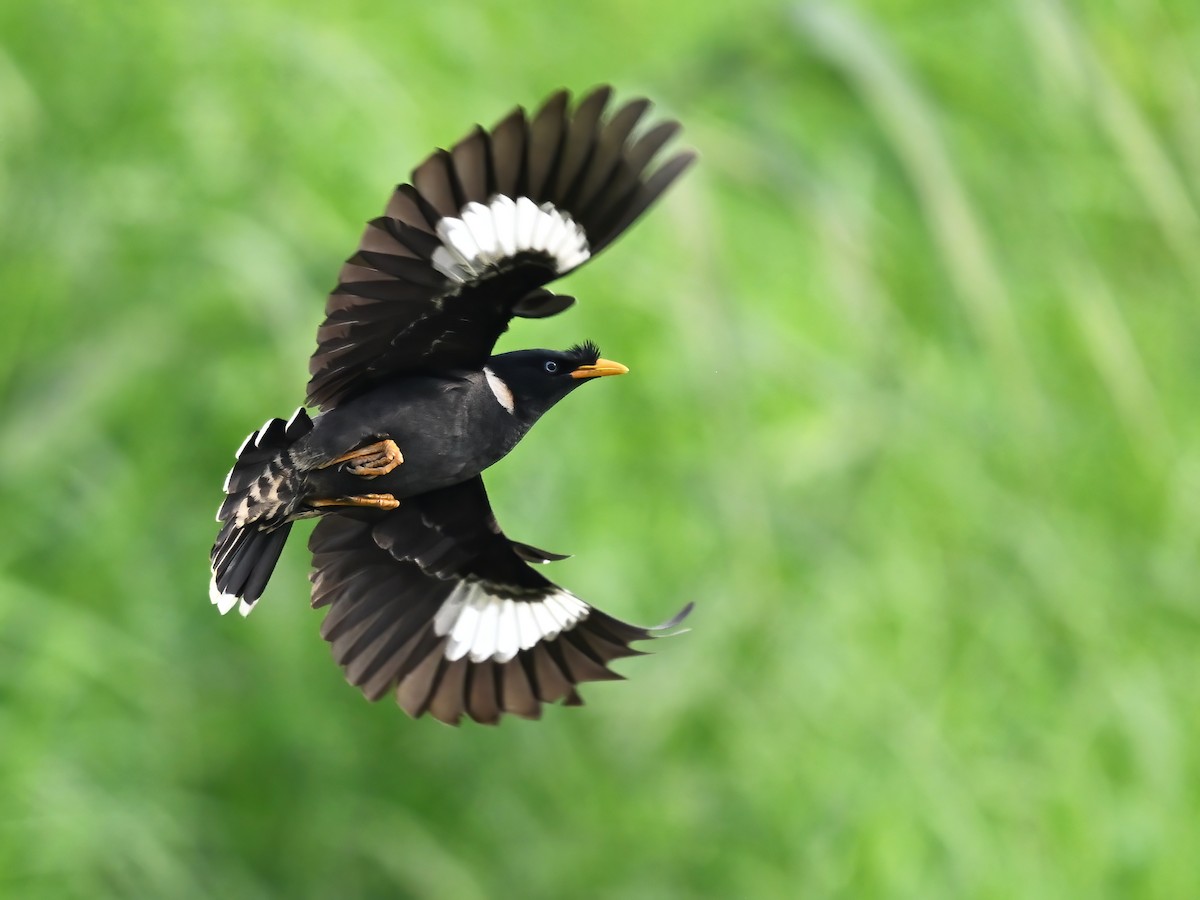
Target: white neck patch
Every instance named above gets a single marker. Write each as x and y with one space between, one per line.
482 237
501 391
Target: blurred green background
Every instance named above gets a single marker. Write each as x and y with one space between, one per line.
912 419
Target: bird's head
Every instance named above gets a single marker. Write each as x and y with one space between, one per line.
537 379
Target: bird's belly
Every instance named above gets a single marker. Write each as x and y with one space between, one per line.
444 450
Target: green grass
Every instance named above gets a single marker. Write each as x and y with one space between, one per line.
912 419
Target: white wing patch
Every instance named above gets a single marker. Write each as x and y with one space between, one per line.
483 625
485 236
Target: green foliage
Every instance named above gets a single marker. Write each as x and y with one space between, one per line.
911 418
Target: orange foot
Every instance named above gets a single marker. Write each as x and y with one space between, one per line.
372 501
370 461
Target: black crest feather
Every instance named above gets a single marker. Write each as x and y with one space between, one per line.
586 353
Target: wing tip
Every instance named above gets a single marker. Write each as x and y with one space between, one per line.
674 622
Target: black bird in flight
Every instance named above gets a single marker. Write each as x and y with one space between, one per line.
426 594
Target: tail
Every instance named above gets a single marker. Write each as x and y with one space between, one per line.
262 491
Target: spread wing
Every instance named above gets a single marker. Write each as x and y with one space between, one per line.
433 601
472 239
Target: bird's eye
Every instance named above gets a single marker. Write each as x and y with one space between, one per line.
551 366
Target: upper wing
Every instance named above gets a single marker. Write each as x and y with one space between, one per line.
470 242
434 601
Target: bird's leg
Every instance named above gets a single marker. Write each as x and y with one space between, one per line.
372 501
370 461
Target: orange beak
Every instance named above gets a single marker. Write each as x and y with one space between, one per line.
601 367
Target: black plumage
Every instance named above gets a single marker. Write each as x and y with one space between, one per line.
426 595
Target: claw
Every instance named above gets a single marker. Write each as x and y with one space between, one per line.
370 461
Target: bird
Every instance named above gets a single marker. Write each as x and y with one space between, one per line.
426 597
